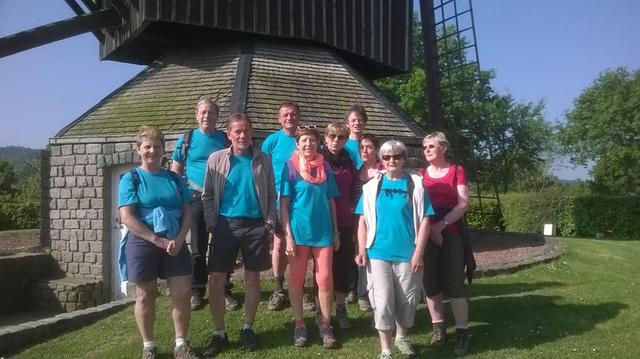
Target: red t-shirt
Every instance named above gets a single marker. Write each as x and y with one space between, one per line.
443 191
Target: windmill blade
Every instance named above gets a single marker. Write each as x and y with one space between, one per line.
59 30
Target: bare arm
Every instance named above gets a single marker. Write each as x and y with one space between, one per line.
176 244
456 213
177 167
285 201
133 224
361 257
421 243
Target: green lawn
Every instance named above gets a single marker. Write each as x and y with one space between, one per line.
585 304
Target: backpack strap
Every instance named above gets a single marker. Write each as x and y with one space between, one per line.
291 170
136 179
186 142
410 188
176 179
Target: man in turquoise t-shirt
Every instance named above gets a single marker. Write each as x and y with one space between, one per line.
190 159
356 120
239 205
280 146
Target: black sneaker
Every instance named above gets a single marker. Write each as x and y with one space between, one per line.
461 346
248 339
215 345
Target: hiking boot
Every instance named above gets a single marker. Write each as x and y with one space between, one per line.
276 301
461 346
215 345
300 336
342 317
364 305
184 351
150 353
308 303
385 356
248 339
404 346
351 297
230 303
328 340
197 302
439 336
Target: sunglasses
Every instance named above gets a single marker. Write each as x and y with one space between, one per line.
307 127
334 137
397 157
431 146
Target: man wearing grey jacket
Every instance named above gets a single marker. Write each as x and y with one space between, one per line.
239 209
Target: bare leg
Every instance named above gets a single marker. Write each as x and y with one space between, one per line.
180 288
278 257
326 304
251 295
217 281
145 308
460 308
436 310
385 338
295 296
400 330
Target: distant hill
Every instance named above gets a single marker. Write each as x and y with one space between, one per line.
25 161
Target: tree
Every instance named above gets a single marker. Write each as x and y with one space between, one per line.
7 178
604 127
498 140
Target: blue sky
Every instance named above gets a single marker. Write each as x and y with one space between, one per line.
543 49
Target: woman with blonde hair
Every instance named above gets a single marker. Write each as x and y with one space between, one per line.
155 207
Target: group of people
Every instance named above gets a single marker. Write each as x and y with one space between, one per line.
333 195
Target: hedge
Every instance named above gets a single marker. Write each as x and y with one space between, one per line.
19 215
582 216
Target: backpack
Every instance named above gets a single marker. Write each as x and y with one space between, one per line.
186 141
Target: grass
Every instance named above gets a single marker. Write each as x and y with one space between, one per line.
585 304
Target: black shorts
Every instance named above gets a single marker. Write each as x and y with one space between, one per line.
147 262
247 235
444 268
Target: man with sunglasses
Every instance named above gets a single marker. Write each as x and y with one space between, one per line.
280 146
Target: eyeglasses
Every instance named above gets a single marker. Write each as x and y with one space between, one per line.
334 137
396 157
307 127
431 146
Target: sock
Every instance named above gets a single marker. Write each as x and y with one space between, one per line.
149 344
180 341
279 284
247 325
386 351
299 323
220 333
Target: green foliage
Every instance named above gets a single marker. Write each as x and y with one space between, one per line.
497 139
7 178
486 216
25 161
580 215
20 208
604 127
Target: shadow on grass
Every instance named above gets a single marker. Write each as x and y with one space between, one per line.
479 289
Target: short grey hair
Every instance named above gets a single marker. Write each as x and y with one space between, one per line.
393 146
208 101
438 137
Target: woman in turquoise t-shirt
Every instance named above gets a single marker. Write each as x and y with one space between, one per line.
308 214
392 235
155 207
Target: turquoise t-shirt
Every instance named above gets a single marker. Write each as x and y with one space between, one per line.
309 211
279 146
155 189
354 152
240 199
200 147
395 232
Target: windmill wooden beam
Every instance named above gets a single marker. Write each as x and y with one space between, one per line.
80 11
59 30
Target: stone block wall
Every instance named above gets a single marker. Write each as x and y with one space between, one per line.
66 295
16 273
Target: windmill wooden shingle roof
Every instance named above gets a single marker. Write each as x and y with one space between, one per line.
251 77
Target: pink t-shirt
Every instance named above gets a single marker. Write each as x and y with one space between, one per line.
443 191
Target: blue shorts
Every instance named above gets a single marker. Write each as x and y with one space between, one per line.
147 262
